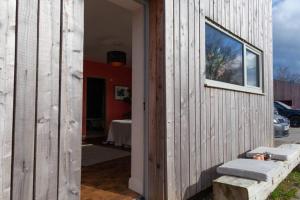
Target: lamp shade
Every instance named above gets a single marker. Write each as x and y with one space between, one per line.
116 58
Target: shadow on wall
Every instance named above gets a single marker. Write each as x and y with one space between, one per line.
206 178
206 194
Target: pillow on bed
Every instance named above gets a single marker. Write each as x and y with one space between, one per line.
249 168
282 154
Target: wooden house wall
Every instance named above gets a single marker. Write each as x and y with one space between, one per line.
40 96
206 126
46 147
7 68
286 91
41 64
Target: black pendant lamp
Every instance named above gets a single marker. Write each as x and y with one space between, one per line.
116 58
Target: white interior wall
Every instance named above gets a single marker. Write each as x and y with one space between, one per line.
136 181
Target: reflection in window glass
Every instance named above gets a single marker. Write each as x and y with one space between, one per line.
224 57
252 69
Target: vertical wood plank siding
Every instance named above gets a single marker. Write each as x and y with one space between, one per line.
7 61
48 93
48 99
285 91
25 104
71 100
192 128
208 126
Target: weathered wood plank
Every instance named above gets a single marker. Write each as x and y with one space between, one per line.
25 100
244 19
217 133
213 132
270 73
203 109
160 99
152 102
71 100
227 14
177 115
228 131
235 19
247 123
207 171
205 6
157 112
211 9
214 9
7 64
192 99
240 19
224 126
249 11
220 128
241 127
198 93
184 97
46 175
231 16
230 122
170 107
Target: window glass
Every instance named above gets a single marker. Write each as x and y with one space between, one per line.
224 57
278 107
252 69
284 105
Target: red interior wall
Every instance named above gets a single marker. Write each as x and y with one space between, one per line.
114 76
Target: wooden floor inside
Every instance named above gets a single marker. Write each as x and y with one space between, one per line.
107 181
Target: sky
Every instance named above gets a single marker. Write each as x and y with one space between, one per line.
286 34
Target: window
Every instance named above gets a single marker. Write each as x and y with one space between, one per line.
231 63
252 64
279 104
224 57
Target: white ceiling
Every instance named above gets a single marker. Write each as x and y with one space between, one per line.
107 27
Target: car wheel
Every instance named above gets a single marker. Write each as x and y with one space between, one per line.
295 121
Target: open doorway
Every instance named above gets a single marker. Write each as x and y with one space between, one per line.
95 107
113 151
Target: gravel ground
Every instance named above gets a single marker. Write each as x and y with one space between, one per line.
294 137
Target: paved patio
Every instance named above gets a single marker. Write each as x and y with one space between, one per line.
294 137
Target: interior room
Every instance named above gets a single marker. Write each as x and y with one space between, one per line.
113 100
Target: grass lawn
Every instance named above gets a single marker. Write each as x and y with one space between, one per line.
288 189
